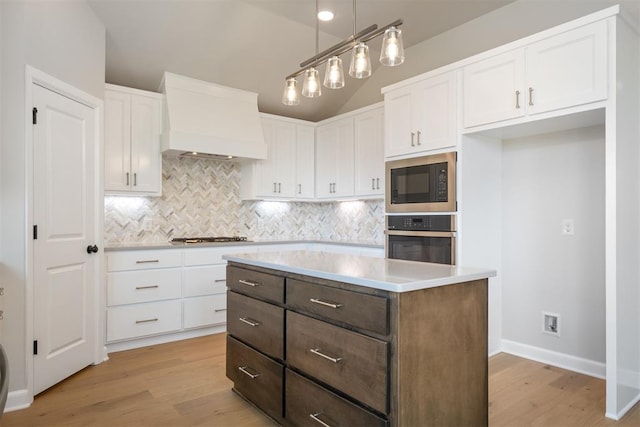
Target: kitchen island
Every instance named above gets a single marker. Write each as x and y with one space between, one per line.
317 338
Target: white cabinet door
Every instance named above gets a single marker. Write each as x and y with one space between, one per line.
117 141
369 153
132 121
146 160
567 70
334 159
276 175
305 162
493 89
265 169
421 117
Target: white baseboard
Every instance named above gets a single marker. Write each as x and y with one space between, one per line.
17 400
162 339
624 410
561 360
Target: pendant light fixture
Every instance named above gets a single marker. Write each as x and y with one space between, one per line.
392 54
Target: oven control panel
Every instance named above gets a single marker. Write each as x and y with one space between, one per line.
421 222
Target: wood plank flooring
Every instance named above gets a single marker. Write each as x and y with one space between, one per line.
184 384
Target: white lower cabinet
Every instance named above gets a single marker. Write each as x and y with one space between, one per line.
205 311
139 320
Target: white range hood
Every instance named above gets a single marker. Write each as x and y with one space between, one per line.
209 120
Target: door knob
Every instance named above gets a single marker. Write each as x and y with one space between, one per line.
92 249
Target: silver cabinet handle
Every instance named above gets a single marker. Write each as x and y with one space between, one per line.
279 187
147 320
299 188
274 187
147 261
317 352
373 183
517 99
218 310
531 96
219 280
315 418
413 136
244 370
1 314
147 287
249 321
127 178
377 183
248 283
418 138
135 179
324 303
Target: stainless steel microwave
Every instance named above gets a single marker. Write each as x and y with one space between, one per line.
421 184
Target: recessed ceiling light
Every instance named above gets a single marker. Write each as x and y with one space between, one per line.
325 15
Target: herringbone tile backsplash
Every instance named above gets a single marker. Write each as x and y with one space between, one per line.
200 197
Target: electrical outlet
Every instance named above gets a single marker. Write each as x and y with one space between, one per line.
567 227
551 323
147 224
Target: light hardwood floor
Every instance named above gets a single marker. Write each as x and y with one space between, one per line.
184 384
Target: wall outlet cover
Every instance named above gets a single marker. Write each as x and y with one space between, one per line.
551 323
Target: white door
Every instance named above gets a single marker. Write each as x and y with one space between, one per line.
64 142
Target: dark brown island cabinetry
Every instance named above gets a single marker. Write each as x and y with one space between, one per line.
309 351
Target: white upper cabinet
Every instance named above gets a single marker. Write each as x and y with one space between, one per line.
132 122
334 159
288 170
369 153
559 72
421 117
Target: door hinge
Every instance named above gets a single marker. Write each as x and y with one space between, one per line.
35 232
34 115
35 347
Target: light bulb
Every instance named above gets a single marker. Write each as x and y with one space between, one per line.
290 95
392 52
360 67
311 87
334 76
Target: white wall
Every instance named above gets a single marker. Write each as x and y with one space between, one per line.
509 23
66 40
546 179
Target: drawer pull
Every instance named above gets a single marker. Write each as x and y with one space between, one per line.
317 352
316 418
147 320
218 310
219 280
249 321
147 261
244 370
146 287
246 282
326 304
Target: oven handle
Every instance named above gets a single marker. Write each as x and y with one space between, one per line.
420 233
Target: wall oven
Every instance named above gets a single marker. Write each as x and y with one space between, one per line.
425 238
421 184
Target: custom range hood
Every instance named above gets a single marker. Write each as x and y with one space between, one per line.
203 119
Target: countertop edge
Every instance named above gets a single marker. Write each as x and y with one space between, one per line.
167 245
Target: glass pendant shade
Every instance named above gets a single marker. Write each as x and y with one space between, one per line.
311 87
392 52
291 95
334 76
360 67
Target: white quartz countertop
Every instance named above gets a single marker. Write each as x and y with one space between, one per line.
380 273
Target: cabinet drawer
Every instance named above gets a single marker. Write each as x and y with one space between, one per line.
204 311
257 323
142 260
257 377
362 311
306 401
130 287
205 280
138 320
350 362
256 284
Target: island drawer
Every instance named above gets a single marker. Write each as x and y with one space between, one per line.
348 361
363 311
257 323
256 377
306 402
256 284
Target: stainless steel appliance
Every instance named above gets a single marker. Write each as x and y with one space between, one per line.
425 238
215 239
421 184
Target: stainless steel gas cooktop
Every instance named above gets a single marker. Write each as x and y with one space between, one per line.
217 239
